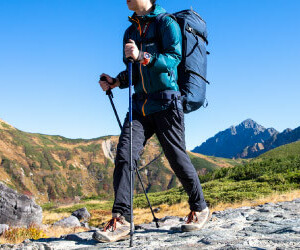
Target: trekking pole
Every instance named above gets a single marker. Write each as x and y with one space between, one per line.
130 151
154 218
110 95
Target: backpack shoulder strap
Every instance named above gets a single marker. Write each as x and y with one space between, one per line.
161 16
158 21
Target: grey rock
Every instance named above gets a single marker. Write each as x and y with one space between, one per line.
26 241
83 236
219 237
17 209
264 210
279 216
82 214
270 204
156 210
295 230
166 223
3 228
71 221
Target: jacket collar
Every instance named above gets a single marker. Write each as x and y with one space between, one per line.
156 10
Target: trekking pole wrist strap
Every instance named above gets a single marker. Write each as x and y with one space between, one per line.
141 56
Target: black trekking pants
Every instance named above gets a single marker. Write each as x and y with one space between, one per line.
168 125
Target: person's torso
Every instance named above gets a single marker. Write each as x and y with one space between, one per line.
149 80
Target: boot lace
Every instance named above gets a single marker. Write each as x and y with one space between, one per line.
192 217
112 224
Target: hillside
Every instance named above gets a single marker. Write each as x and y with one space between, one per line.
57 168
290 150
275 171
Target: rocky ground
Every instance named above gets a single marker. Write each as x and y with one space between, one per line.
268 226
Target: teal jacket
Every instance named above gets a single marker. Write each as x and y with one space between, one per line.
164 43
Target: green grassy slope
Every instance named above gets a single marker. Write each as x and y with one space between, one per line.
288 150
255 179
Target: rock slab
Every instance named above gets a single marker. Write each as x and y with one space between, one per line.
17 209
70 221
268 226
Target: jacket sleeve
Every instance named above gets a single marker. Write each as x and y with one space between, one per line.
123 75
123 78
171 46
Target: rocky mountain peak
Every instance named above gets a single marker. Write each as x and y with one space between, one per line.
286 131
250 124
272 131
231 142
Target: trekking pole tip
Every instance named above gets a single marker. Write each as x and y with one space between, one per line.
156 222
131 242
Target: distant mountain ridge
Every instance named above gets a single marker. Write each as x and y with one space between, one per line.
231 142
277 140
246 140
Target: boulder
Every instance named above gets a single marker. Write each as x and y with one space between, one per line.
82 214
71 221
17 209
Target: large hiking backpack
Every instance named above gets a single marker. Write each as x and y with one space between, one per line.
192 69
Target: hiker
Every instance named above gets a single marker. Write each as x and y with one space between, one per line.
157 109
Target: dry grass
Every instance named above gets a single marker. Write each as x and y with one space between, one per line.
18 235
99 217
221 163
182 209
275 197
143 215
50 217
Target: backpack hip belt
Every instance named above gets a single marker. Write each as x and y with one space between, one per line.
162 95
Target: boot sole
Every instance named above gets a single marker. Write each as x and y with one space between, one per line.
199 228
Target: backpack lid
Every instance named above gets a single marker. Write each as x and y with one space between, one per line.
194 21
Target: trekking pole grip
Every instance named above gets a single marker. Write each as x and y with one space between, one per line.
104 78
130 59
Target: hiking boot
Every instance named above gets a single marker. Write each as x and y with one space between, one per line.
116 229
196 220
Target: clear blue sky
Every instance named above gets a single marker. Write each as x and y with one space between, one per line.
53 51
